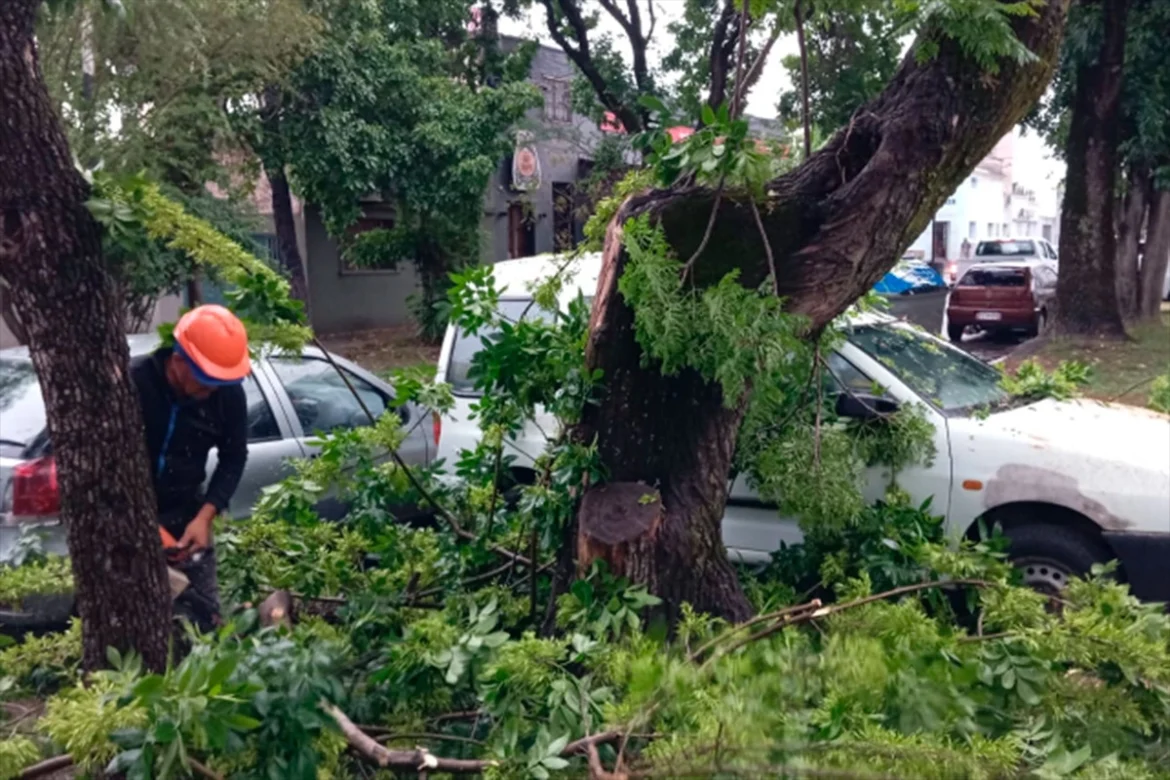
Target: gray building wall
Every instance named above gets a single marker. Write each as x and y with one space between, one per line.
342 299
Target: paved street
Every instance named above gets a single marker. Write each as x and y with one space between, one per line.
926 310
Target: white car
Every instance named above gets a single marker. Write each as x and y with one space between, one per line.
1073 483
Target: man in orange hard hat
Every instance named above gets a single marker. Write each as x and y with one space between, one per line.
192 401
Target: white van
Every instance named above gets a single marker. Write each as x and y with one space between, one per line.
1072 482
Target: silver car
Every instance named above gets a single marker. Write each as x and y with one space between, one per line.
289 401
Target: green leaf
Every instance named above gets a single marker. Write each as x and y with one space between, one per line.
240 722
554 763
164 732
653 104
557 745
708 115
1027 693
149 687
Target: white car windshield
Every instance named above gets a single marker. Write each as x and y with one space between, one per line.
1006 249
945 377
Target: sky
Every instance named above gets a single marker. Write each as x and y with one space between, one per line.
1033 162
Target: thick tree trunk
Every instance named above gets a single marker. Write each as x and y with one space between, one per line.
1157 256
286 236
1086 293
835 226
1129 233
50 255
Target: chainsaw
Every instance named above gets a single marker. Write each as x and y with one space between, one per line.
188 602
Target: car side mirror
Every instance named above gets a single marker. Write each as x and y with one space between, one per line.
861 406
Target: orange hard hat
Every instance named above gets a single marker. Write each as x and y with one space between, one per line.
215 342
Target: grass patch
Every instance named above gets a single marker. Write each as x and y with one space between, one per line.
1123 371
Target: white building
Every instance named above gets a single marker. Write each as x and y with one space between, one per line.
999 199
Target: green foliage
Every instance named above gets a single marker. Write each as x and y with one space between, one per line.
1160 394
852 53
1031 382
43 576
636 180
392 104
438 634
603 606
733 335
719 154
135 211
41 664
15 754
167 77
981 29
1144 137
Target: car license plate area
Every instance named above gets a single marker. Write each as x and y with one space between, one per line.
988 316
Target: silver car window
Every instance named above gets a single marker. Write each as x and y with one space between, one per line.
321 399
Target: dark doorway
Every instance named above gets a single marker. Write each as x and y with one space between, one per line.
942 234
521 231
564 227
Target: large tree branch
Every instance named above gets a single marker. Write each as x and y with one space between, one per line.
580 55
722 49
632 24
838 222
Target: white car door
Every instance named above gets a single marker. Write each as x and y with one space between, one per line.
752 530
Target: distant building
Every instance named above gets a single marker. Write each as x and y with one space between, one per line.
990 203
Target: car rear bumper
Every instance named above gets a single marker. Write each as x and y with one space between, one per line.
1144 557
1009 318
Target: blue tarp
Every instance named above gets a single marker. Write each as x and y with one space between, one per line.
910 275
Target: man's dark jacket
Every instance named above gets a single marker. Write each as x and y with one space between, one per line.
180 433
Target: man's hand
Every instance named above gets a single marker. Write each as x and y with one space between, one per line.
197 537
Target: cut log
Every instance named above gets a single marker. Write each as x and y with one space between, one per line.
620 523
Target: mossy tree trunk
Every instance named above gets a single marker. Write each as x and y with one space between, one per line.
1086 292
836 225
1156 258
68 304
1132 217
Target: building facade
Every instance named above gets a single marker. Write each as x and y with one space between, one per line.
995 201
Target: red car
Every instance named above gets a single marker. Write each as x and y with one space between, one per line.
1001 297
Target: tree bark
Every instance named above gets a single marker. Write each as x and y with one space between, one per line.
288 249
1086 292
1129 232
50 256
1156 259
835 225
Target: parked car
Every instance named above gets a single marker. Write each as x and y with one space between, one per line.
996 249
290 400
1001 297
1073 483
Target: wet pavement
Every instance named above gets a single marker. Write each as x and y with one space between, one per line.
992 348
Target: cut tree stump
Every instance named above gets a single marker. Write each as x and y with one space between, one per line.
619 525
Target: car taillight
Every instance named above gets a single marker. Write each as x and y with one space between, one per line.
34 489
436 426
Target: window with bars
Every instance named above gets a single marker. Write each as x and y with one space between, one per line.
558 100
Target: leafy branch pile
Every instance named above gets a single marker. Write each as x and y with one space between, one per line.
455 645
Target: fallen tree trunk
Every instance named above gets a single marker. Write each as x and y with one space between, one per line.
835 226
